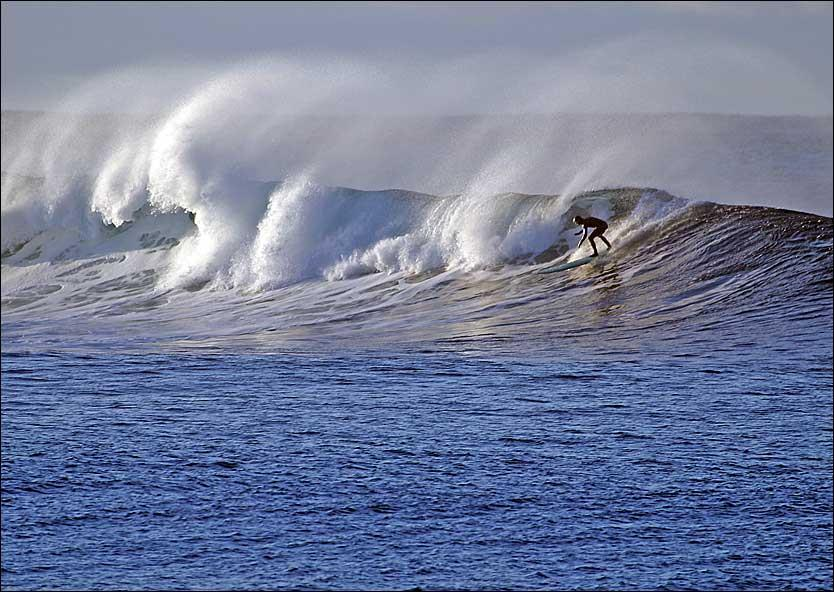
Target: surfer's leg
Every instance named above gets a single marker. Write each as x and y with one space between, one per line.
597 233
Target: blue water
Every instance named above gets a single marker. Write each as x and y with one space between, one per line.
407 467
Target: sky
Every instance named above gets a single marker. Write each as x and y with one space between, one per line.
765 58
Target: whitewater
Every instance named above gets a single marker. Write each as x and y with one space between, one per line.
263 338
159 219
319 259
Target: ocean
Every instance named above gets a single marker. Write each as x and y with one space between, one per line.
217 377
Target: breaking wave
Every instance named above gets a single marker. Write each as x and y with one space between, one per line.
323 262
230 216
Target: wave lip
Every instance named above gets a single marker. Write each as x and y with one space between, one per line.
256 236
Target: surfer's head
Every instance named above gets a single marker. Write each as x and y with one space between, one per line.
578 220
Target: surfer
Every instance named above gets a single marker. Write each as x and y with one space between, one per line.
599 226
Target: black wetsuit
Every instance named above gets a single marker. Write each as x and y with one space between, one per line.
599 226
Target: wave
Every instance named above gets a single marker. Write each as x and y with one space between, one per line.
328 261
219 219
266 235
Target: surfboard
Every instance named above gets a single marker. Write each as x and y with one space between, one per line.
568 265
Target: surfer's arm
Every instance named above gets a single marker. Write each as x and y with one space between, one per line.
584 235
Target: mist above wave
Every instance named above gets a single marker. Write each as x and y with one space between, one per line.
229 131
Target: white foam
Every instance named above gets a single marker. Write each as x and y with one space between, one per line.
261 121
